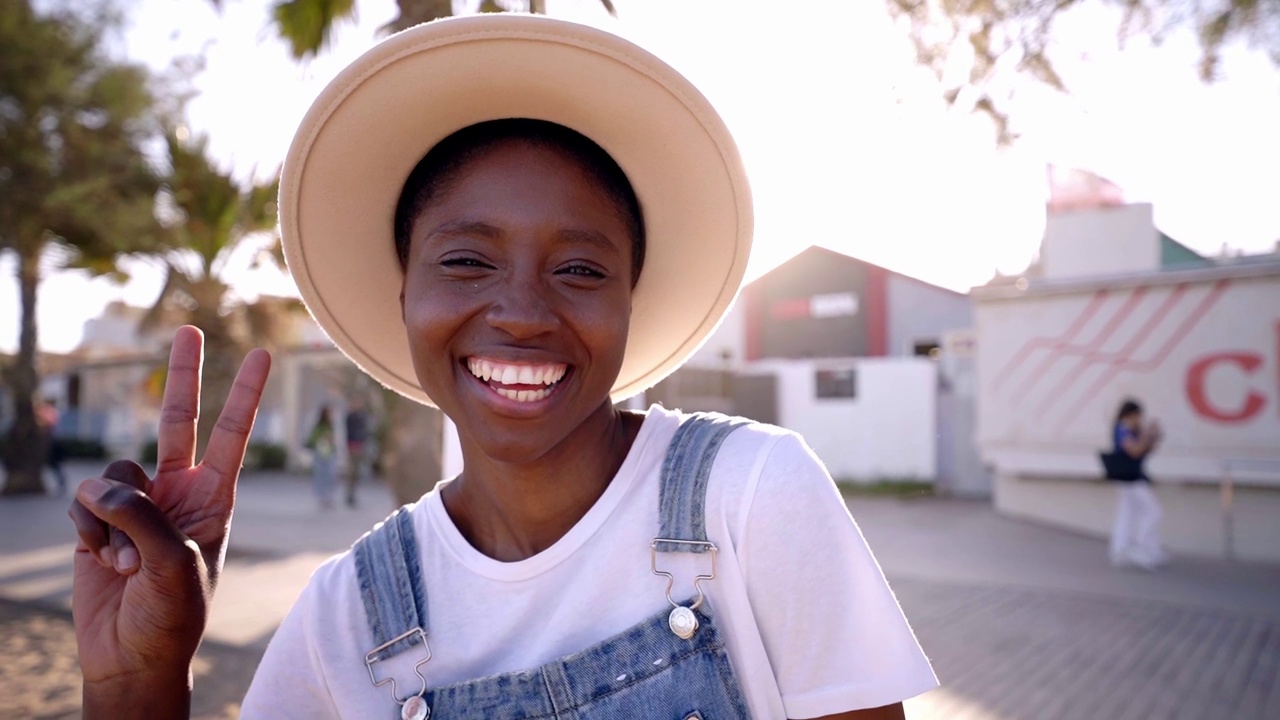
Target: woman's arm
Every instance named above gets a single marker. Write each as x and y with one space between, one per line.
167 697
1138 445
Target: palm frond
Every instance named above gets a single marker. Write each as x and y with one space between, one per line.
307 25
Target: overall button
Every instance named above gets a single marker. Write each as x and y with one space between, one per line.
683 622
415 708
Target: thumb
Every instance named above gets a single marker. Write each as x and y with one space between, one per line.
161 545
123 553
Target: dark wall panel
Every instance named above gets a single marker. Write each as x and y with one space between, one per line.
781 315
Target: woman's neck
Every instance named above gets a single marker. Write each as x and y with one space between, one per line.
513 511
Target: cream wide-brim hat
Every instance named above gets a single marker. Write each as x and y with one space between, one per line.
372 124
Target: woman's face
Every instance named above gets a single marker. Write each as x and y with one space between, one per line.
517 299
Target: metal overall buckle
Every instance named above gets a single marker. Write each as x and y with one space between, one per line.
682 620
412 707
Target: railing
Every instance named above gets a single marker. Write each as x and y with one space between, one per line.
1230 468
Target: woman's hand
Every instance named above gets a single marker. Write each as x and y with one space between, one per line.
151 549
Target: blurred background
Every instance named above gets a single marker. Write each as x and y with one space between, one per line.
981 227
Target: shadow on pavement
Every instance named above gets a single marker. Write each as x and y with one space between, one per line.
40 675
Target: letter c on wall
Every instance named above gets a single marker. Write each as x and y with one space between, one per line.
1196 374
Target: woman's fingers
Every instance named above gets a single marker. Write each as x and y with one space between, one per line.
107 544
122 506
231 434
124 555
92 532
176 442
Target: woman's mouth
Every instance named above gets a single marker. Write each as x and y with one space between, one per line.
521 382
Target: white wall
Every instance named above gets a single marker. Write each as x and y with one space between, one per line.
1200 350
1100 241
886 433
451 450
1192 522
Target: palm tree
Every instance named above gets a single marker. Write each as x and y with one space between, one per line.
208 215
73 175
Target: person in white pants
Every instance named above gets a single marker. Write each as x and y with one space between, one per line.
1135 538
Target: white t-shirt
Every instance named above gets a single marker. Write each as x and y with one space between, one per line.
810 625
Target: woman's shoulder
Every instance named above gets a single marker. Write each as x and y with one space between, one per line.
744 427
748 440
751 453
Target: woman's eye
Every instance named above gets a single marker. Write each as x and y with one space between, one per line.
465 262
582 270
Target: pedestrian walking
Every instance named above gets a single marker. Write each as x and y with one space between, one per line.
322 443
1135 536
359 449
47 418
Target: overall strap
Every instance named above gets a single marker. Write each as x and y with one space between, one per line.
686 470
391 586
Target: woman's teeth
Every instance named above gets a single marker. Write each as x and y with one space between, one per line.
497 374
523 395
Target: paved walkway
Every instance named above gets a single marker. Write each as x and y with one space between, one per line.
1020 621
1024 621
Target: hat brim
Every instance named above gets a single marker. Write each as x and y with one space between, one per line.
374 122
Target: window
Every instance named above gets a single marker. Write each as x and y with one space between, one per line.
836 383
929 349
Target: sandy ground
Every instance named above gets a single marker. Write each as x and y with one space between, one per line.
40 675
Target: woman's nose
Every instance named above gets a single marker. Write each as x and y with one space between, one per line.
522 309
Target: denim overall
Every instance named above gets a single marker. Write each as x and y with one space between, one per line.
672 665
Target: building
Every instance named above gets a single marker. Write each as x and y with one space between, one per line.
849 355
1114 309
857 358
110 388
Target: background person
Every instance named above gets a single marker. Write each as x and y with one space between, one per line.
1135 537
322 442
359 448
54 450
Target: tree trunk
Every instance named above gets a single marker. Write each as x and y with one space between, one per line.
24 446
411 447
222 356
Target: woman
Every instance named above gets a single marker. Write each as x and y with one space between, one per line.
322 443
1135 538
564 238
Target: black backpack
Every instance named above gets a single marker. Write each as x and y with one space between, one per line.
1121 466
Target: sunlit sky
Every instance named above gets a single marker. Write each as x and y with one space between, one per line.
845 138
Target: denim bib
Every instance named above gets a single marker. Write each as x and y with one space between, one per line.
672 665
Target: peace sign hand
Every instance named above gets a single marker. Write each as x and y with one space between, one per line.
151 549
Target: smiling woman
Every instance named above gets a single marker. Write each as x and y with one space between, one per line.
564 238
